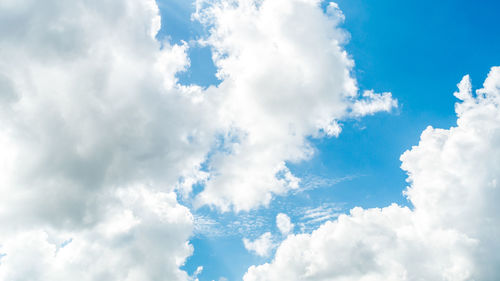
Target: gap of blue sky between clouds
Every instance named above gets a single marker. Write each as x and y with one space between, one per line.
223 139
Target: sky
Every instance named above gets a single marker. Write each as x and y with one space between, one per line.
249 140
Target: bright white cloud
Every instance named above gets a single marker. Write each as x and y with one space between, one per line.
97 133
285 77
451 234
284 224
142 236
261 246
375 244
95 109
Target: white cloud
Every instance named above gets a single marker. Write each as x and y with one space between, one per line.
96 128
95 134
451 234
95 115
375 244
285 77
373 103
284 224
261 246
142 236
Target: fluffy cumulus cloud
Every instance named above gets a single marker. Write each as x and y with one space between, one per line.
98 135
450 233
143 236
285 77
95 133
91 110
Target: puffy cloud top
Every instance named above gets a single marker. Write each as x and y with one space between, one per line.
286 77
95 134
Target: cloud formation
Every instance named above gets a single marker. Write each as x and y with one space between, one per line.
261 246
92 114
284 224
98 136
95 134
285 77
142 236
449 234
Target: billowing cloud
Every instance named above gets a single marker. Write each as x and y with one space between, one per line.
95 134
98 135
142 236
373 103
93 110
285 77
451 232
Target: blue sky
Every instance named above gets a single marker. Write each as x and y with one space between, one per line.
417 50
350 140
